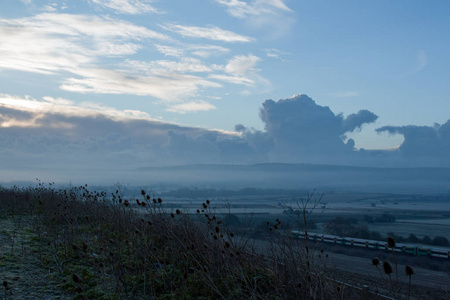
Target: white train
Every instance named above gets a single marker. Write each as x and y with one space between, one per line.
372 244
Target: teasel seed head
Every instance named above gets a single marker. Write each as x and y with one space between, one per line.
391 242
375 261
387 268
409 270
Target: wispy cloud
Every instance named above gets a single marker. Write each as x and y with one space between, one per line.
241 9
166 67
233 79
276 54
169 50
132 7
191 107
241 64
76 44
273 17
198 50
241 69
210 32
173 88
207 50
421 61
48 43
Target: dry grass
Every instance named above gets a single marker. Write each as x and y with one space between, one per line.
97 246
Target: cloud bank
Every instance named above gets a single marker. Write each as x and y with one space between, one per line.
423 142
55 134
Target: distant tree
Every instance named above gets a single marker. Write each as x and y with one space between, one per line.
340 226
412 238
426 240
385 218
440 241
368 219
231 220
375 235
362 232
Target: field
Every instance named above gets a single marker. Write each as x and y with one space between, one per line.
85 244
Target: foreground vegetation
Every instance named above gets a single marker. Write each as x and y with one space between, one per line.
99 246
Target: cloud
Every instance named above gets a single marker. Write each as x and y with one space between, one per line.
355 121
203 51
171 88
54 132
421 61
132 7
166 67
241 64
423 141
273 17
276 54
241 9
90 53
211 33
169 50
50 43
233 79
241 70
299 127
207 50
191 107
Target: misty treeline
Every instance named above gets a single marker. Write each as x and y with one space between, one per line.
351 227
107 246
196 192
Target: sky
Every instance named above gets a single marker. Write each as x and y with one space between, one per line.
200 81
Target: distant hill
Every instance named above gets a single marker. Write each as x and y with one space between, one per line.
280 175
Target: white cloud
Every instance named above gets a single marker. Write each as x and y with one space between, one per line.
277 54
173 88
75 44
203 51
50 105
131 7
240 69
241 9
211 32
191 107
272 17
241 64
167 67
233 79
207 50
169 50
50 8
48 43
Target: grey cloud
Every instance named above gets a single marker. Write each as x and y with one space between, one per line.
423 141
355 121
301 128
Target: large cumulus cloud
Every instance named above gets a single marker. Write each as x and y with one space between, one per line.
299 130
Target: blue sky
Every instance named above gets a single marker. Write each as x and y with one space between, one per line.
212 63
